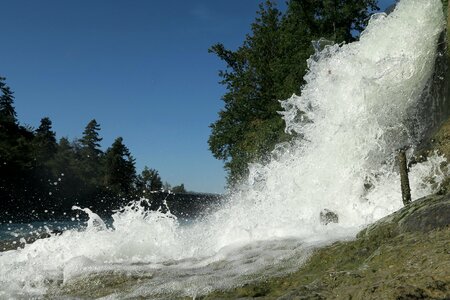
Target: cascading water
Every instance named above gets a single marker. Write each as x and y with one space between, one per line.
354 112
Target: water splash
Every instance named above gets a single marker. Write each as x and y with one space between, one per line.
94 222
355 110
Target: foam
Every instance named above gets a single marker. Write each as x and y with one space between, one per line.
356 104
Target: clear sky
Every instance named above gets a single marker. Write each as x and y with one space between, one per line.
140 68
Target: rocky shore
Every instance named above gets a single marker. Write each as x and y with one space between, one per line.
405 255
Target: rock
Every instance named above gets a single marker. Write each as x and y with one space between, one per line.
328 216
402 256
423 215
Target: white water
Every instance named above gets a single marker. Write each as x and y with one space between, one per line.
357 100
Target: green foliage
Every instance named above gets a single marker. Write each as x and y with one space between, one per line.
7 111
269 66
249 125
333 19
91 140
166 186
179 189
119 167
44 141
39 174
90 154
66 170
148 181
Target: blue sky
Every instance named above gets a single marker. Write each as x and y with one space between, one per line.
140 68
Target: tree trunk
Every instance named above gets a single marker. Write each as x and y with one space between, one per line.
404 180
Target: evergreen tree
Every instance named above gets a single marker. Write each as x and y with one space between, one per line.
270 66
120 171
166 186
179 189
43 150
90 140
65 157
91 155
148 181
17 186
249 125
336 20
45 141
67 172
7 111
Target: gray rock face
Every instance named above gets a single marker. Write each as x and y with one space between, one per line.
423 215
426 215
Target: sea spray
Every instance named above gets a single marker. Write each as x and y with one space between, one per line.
353 113
351 120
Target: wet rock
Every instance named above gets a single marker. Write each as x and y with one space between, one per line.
423 215
434 215
402 256
328 216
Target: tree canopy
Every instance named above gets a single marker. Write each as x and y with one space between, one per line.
269 66
119 166
149 181
7 111
39 174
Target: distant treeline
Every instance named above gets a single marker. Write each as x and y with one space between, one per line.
39 174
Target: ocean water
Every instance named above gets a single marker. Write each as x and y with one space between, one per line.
11 230
361 102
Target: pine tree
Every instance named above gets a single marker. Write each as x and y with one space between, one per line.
91 155
91 140
270 66
337 20
45 141
179 189
7 111
67 173
148 181
249 124
120 172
